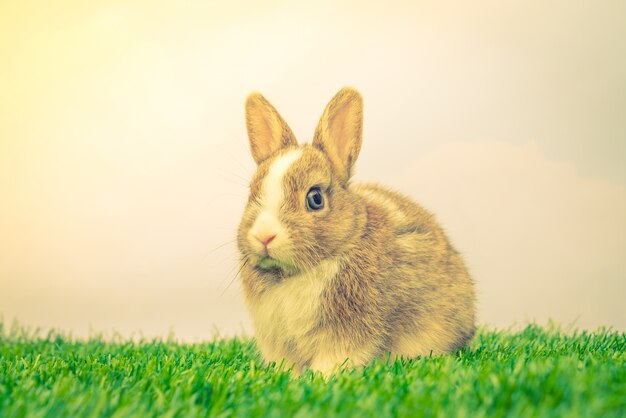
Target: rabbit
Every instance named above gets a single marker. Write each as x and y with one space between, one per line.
336 274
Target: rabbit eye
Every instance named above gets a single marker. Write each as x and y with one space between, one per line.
314 199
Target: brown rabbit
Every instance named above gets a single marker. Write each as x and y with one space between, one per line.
338 273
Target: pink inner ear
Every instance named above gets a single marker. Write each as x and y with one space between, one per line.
266 131
343 130
270 139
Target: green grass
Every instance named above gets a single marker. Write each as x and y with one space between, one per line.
535 372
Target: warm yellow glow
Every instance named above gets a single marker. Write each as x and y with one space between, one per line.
123 154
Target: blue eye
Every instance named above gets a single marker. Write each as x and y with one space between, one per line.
314 199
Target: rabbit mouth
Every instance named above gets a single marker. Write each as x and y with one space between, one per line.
265 262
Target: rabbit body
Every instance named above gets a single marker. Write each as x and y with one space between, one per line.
338 273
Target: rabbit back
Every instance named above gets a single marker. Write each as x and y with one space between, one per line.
427 289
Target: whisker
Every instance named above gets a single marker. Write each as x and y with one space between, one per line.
245 169
245 180
235 276
230 271
221 246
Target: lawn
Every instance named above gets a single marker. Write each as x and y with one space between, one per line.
533 372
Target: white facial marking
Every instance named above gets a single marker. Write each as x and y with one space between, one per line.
272 195
272 191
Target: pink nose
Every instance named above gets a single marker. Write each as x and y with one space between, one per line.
267 239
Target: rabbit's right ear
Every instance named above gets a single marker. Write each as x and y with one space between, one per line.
267 131
338 132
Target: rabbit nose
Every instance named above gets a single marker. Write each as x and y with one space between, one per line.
267 239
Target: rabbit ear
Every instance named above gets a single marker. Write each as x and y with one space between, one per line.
338 132
267 131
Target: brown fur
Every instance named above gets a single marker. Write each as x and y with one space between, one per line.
399 287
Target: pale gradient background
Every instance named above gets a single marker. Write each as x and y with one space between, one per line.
124 162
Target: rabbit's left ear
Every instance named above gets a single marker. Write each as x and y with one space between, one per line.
339 131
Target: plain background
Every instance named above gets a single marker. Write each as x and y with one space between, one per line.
124 160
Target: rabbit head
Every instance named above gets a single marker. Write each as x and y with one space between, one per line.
300 210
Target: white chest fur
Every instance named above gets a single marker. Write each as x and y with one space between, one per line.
285 314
